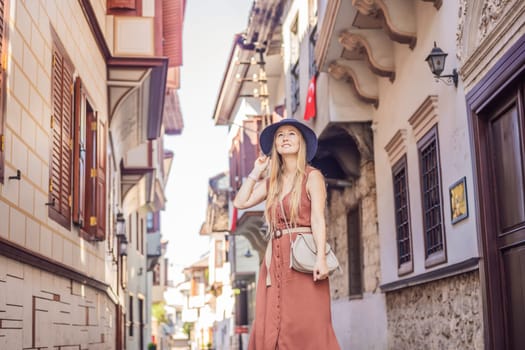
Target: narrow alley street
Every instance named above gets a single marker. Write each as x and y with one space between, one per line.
160 158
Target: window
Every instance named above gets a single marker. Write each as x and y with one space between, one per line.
166 273
130 230
156 275
294 64
89 167
142 317
312 69
354 254
402 215
137 237
294 40
431 198
77 180
3 58
295 91
244 151
142 236
124 271
130 313
152 221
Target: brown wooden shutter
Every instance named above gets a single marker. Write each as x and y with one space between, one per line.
67 140
60 167
79 155
101 181
172 18
91 154
96 179
3 61
122 4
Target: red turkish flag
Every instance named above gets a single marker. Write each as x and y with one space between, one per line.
310 109
233 226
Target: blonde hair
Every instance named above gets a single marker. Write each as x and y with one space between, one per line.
275 186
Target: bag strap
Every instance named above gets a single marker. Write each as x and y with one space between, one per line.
284 217
289 234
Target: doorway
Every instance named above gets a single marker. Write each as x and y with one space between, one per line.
497 119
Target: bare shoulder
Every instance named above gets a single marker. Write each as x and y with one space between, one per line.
315 176
315 183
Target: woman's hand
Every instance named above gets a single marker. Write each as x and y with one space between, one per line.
259 166
320 269
252 191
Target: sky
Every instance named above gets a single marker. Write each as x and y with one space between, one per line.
201 151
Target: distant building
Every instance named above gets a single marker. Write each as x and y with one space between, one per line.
88 91
422 155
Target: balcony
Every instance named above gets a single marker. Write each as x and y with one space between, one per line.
154 249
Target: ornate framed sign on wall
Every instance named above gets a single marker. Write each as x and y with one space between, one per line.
458 200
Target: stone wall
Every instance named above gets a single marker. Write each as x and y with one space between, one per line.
445 314
340 201
39 310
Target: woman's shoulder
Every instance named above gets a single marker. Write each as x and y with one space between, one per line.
309 169
313 173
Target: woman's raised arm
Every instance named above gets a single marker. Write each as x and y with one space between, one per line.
253 191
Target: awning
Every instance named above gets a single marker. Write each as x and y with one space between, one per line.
173 123
136 90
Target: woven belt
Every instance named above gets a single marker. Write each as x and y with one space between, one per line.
285 231
277 234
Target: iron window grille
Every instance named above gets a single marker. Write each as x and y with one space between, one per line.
431 198
402 216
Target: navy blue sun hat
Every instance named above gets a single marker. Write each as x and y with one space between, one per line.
268 134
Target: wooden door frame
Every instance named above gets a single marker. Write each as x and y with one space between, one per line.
505 72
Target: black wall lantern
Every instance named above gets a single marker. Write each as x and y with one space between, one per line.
123 246
121 235
436 62
121 225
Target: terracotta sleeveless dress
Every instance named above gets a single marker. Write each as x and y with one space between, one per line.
293 313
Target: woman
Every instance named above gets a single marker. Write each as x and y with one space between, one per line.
292 308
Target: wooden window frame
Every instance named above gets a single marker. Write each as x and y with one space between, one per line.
403 267
439 256
79 154
3 61
89 209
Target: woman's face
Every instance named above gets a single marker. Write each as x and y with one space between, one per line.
287 140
